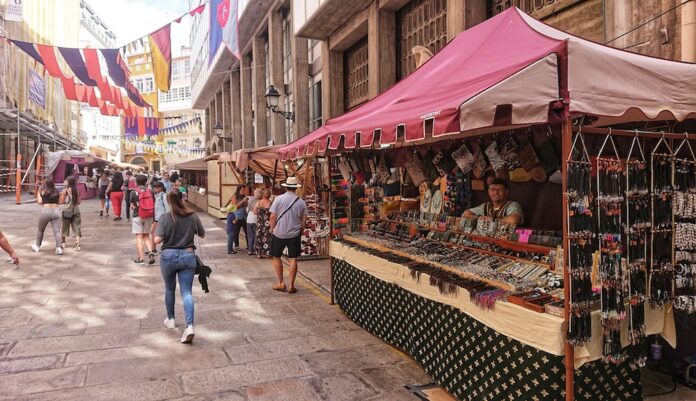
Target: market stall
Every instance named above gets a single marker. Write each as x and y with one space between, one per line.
222 181
313 175
557 300
194 176
65 163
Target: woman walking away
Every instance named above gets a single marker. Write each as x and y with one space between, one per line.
48 198
103 198
176 231
115 193
262 243
70 198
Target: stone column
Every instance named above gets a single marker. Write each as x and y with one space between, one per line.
463 14
381 49
332 82
259 82
300 86
236 111
688 32
275 63
245 74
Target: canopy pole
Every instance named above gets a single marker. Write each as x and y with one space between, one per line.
566 140
275 174
18 157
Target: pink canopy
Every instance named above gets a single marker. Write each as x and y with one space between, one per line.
511 70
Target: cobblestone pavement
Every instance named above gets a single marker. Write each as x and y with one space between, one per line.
88 326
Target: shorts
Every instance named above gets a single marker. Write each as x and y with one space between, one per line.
294 246
102 192
75 223
142 225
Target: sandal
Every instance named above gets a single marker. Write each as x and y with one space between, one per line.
280 287
292 290
77 247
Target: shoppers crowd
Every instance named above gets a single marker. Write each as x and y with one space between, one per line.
156 208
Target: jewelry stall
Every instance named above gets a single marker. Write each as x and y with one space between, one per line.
560 304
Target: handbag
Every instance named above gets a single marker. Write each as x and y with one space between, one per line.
202 270
69 213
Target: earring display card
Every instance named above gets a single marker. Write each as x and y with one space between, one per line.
685 234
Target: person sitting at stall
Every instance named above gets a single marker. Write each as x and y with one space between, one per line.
500 208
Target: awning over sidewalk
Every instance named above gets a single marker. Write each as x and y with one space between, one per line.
193 165
511 70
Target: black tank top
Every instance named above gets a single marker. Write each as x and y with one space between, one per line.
50 198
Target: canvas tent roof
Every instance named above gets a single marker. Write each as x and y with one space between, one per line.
193 165
512 70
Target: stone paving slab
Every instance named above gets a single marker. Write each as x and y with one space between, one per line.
88 326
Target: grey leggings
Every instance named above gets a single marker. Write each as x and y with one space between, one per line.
54 216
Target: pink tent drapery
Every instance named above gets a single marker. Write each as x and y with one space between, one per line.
511 70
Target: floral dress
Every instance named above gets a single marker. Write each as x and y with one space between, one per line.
263 233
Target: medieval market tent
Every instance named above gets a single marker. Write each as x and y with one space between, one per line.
64 163
512 70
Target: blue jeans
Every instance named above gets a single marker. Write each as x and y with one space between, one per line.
181 263
251 236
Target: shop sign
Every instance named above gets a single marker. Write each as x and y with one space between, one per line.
37 89
13 11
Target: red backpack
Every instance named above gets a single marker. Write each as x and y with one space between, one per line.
146 203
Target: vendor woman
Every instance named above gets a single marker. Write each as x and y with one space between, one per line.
500 208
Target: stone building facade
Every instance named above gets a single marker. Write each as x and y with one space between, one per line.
326 57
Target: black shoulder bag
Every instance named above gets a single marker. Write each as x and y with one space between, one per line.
202 270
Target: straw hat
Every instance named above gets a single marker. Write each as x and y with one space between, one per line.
291 182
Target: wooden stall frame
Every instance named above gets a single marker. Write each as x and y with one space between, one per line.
569 359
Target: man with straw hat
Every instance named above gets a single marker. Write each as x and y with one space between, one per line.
288 213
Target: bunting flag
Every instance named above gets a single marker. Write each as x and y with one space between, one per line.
181 127
84 64
223 27
161 54
87 70
48 55
141 125
73 58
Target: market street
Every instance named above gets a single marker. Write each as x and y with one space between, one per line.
88 325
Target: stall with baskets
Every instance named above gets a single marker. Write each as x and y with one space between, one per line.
268 170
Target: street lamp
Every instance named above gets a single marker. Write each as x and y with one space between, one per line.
219 131
272 97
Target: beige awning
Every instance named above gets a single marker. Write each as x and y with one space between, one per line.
194 165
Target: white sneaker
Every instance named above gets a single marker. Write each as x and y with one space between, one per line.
187 337
35 247
59 251
169 323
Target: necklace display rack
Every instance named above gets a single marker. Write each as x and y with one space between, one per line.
685 227
580 237
636 227
612 269
661 277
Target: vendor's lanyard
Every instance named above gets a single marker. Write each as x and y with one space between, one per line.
496 214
